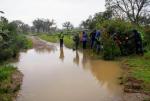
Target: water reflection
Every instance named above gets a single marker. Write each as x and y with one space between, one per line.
106 73
61 56
85 59
76 59
41 46
48 79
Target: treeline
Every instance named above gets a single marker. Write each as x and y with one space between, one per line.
41 25
121 17
38 26
11 40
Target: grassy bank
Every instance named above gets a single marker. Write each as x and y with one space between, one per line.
29 43
54 38
10 81
139 68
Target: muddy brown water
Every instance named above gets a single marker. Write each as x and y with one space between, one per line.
54 74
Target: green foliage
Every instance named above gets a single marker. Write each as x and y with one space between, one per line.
147 36
6 72
7 88
11 42
68 41
117 25
110 50
50 38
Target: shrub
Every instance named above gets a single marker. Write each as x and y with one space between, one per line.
111 50
147 36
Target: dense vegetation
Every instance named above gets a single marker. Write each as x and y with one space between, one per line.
11 42
10 82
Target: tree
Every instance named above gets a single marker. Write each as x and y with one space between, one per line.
21 27
43 25
68 25
37 24
25 28
92 22
132 10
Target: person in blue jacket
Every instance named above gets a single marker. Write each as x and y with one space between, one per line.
98 41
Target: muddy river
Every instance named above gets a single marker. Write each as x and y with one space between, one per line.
54 74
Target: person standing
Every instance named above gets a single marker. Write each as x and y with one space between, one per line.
98 39
84 39
61 38
138 42
76 39
92 38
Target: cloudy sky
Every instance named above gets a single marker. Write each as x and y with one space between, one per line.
59 10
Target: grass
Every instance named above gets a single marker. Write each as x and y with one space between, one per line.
8 86
140 68
54 38
29 43
49 38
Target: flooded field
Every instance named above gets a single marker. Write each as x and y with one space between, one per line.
54 74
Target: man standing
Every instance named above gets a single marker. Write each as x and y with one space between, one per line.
61 38
76 39
84 39
98 39
92 38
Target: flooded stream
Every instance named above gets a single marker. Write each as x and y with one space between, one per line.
54 74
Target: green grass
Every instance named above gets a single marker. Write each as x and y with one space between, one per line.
49 38
6 72
140 68
6 92
29 43
54 38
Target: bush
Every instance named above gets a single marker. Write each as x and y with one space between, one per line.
11 42
147 37
111 50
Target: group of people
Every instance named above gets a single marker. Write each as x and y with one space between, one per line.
127 43
94 37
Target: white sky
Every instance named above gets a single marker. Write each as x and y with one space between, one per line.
60 10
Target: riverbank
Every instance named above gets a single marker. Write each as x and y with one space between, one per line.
136 75
10 76
10 82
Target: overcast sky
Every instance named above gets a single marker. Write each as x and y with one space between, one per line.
60 10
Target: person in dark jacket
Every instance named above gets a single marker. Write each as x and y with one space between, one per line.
76 39
138 42
84 39
92 38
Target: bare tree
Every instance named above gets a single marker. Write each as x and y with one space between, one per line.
68 25
133 10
